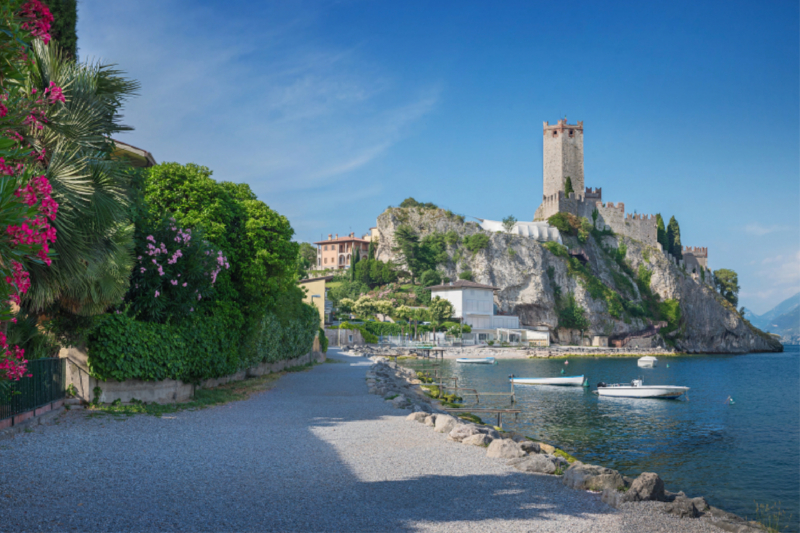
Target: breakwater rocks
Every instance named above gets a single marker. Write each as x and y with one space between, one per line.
401 387
515 352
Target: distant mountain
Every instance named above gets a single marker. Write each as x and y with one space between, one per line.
783 319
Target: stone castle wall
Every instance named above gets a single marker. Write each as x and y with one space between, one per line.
639 227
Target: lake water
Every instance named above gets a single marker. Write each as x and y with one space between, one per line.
736 455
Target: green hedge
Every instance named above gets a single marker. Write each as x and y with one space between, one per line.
383 328
323 341
122 348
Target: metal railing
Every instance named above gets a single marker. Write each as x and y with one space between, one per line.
48 383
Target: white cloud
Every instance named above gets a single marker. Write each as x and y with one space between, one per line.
757 229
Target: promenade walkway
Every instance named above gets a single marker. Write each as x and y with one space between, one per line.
316 453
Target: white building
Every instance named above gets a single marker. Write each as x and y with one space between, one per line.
474 303
540 231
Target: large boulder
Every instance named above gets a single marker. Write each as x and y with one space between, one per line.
536 464
580 476
682 508
647 487
445 424
430 420
479 439
400 402
462 431
529 447
419 416
504 449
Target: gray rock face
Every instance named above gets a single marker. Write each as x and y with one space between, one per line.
478 440
419 416
647 487
504 449
592 477
683 508
445 424
462 431
707 325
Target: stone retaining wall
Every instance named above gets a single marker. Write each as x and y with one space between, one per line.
165 391
344 337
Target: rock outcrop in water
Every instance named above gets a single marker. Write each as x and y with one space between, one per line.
624 286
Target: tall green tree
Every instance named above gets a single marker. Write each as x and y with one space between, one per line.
65 22
95 234
508 223
372 246
439 310
407 244
674 238
661 233
727 283
568 187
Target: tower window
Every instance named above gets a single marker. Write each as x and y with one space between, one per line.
571 132
555 134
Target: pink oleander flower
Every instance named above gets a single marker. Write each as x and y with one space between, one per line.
173 281
184 284
157 293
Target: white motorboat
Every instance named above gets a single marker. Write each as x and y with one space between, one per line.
574 381
648 361
637 389
474 361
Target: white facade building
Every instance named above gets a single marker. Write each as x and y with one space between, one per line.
474 303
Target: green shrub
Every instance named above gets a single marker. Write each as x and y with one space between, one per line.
466 275
556 249
451 238
430 277
383 328
477 242
369 338
423 295
562 222
323 341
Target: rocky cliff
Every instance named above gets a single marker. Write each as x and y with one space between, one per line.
622 284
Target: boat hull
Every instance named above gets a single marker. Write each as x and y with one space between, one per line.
484 361
665 391
566 381
647 362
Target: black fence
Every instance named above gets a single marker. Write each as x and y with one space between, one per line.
48 383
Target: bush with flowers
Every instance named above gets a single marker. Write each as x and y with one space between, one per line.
176 272
26 208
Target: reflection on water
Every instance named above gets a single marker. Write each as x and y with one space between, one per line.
731 454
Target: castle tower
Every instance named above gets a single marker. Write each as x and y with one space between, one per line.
563 157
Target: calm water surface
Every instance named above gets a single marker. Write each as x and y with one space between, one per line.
735 455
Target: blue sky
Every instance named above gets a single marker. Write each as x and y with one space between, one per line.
332 111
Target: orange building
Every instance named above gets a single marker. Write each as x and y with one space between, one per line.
336 252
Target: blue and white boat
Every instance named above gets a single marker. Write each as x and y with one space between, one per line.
568 381
477 361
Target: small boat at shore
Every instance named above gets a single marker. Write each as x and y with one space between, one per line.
569 381
477 361
637 389
648 361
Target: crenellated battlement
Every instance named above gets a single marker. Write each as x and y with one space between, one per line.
696 251
593 194
631 217
620 206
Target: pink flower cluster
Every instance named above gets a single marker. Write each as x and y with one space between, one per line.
221 261
37 19
19 279
37 230
12 364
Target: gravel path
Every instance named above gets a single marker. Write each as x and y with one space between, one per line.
316 453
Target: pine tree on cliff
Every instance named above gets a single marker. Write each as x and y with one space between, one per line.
674 239
568 187
661 233
371 249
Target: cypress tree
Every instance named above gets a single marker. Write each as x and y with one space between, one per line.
371 249
674 238
661 233
63 28
354 257
568 187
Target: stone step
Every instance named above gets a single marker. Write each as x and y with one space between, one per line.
72 401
